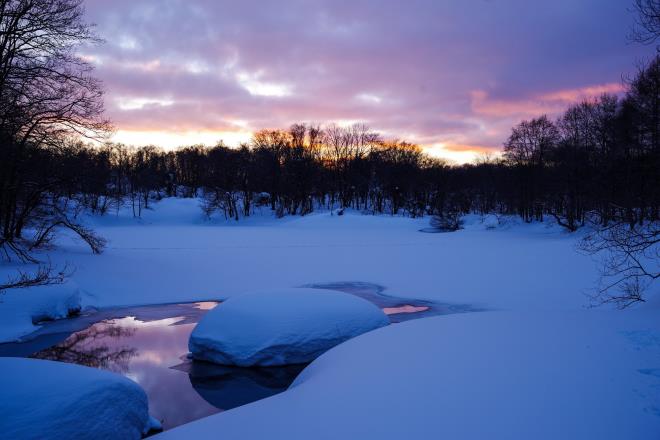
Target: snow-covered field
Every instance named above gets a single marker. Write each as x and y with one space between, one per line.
536 364
173 254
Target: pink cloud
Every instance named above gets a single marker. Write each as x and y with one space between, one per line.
549 103
571 96
434 72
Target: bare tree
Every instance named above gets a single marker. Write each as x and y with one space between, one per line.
647 25
630 257
47 96
46 90
527 150
315 137
45 275
297 133
362 140
530 141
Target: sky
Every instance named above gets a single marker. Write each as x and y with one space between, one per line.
451 75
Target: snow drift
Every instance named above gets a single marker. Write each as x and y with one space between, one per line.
279 327
489 375
22 309
53 400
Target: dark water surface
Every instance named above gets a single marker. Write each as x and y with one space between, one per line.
149 344
398 309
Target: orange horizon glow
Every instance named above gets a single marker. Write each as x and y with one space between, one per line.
499 114
424 74
172 140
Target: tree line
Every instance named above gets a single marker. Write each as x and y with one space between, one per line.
597 162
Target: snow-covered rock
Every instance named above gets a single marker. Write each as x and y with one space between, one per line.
22 309
52 400
279 327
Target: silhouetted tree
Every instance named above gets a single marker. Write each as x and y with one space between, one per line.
527 150
46 96
647 26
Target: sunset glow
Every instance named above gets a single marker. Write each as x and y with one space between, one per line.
183 73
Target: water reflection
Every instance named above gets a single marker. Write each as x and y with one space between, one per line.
149 348
205 305
155 346
406 308
91 348
149 344
228 387
392 306
397 309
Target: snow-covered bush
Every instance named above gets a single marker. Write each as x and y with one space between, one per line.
490 221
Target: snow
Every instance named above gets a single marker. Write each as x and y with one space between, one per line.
281 326
20 309
52 400
173 255
496 375
537 364
491 221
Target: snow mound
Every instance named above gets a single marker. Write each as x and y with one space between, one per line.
22 309
492 375
53 400
279 327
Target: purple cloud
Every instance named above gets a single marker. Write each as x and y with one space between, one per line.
451 75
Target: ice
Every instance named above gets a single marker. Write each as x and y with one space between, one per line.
281 326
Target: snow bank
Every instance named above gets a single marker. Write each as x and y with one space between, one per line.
21 309
489 375
279 327
53 400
